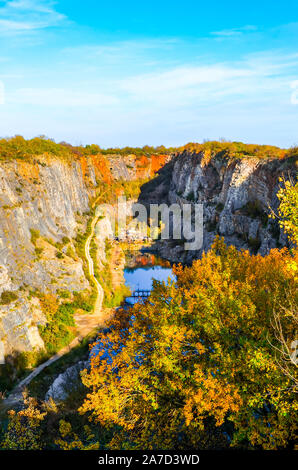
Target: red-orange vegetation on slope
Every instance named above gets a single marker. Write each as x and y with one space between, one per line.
157 162
119 190
142 167
83 162
100 163
148 166
28 171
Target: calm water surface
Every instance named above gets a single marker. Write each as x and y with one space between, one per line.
142 268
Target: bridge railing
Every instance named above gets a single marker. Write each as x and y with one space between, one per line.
139 293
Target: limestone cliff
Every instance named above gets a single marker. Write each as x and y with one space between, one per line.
44 202
237 194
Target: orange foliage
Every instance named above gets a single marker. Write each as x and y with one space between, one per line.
148 165
142 167
83 162
102 165
157 162
198 356
28 171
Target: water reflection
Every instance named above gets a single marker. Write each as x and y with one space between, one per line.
142 268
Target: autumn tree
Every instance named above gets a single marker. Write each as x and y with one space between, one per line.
24 430
286 349
193 367
288 208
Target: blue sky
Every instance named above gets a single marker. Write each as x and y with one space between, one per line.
160 72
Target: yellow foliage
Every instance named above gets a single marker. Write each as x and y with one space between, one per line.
197 356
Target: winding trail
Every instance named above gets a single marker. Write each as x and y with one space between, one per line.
100 293
85 323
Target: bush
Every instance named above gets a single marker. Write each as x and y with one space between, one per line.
59 330
35 234
38 251
211 226
191 196
64 294
254 243
7 297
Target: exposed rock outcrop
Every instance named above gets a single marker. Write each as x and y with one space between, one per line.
44 202
37 199
237 194
67 382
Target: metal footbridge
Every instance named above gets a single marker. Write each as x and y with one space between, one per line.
139 294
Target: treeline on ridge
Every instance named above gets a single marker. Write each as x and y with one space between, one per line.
19 147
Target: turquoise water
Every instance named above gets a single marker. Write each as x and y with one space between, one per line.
147 267
139 273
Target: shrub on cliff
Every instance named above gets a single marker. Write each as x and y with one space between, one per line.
288 209
58 331
18 147
7 297
236 149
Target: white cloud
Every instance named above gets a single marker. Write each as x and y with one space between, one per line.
255 79
43 6
151 91
184 78
229 33
21 16
9 25
59 97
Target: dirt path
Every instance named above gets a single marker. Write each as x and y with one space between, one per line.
100 293
85 325
16 396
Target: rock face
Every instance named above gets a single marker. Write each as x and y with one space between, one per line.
237 197
43 204
18 321
66 382
37 199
